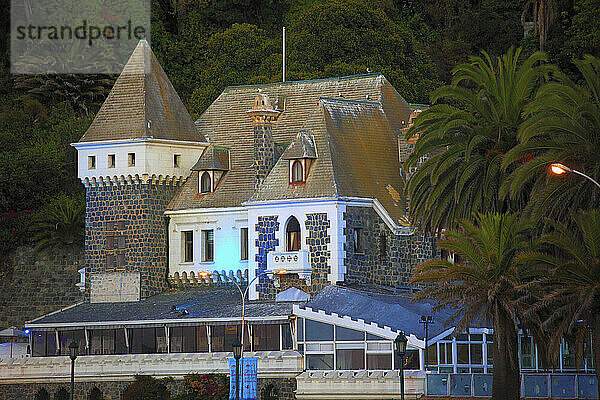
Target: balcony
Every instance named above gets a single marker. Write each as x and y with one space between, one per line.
293 262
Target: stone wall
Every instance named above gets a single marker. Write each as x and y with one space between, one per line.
141 206
112 390
264 153
317 242
41 282
402 252
266 242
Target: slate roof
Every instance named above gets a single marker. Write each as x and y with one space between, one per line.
225 123
213 158
142 104
357 157
394 310
207 302
302 147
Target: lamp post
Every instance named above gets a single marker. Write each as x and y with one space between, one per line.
237 354
559 169
243 293
73 349
426 320
400 347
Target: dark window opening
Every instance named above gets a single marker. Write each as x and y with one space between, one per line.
350 358
131 159
379 361
66 337
357 240
382 247
111 161
265 337
297 175
91 162
188 246
244 243
292 231
176 160
208 245
205 183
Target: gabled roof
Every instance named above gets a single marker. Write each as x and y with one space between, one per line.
213 158
302 147
142 104
225 123
358 157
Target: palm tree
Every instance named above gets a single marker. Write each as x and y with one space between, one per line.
473 123
486 288
573 257
563 126
60 224
542 12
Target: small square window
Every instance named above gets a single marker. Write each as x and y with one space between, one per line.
111 161
176 160
131 159
91 162
121 260
110 261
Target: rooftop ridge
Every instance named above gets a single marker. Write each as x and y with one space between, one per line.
338 78
336 99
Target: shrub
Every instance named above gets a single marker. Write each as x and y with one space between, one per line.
147 388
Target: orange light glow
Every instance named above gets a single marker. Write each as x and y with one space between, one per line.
204 274
282 271
557 169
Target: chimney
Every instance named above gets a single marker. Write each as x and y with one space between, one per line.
263 117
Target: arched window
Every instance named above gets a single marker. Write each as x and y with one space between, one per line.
205 183
292 232
297 171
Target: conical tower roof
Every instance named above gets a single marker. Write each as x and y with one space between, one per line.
142 104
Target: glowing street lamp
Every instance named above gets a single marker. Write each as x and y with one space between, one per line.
560 169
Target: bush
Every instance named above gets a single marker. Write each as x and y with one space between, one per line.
147 388
205 387
62 394
42 394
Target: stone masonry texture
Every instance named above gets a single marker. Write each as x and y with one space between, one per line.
402 253
41 282
112 390
264 153
140 207
317 242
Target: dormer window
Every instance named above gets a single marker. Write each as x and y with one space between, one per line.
205 182
297 172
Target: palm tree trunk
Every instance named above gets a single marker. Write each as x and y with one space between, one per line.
596 346
506 377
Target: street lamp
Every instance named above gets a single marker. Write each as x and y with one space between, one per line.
400 347
237 354
73 349
243 293
559 169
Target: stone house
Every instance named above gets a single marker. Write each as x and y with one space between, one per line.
293 190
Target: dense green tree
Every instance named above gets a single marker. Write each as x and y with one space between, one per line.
60 224
341 37
468 130
562 125
485 288
573 285
236 56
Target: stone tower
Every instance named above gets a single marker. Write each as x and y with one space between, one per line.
263 117
131 160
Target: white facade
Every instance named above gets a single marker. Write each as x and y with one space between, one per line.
226 224
154 159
